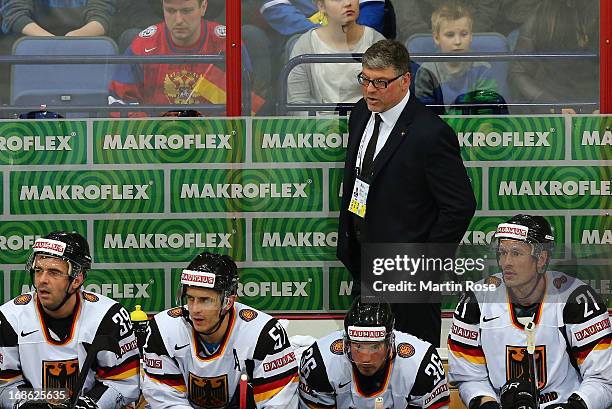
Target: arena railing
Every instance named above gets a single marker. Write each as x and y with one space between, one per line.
283 106
101 59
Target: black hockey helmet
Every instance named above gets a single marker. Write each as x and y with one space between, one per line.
368 322
68 246
209 270
534 230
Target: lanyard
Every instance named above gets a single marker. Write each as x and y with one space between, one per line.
360 151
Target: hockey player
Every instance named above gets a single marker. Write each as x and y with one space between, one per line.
488 339
371 365
195 353
45 335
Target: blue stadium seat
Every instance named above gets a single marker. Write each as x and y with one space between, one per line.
65 84
423 43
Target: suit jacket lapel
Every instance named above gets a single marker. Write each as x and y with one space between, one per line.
398 133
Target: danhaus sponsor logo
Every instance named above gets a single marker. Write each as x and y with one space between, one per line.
165 142
596 237
279 362
594 138
555 188
163 241
273 289
36 143
82 192
300 239
495 139
247 190
304 140
593 329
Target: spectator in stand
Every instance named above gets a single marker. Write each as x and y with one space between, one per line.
441 82
512 15
413 16
558 26
57 17
50 18
331 83
290 17
184 31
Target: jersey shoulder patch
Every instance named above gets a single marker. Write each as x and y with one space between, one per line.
220 31
405 350
148 32
247 314
337 347
23 299
90 297
175 312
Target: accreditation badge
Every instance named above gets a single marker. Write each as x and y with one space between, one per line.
359 197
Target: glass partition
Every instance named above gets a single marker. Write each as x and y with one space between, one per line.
473 57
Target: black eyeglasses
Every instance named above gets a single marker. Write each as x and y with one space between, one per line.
379 84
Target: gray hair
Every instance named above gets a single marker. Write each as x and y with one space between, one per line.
387 54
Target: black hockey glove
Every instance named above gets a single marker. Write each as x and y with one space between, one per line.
516 393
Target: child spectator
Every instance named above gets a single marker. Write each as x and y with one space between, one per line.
327 82
441 82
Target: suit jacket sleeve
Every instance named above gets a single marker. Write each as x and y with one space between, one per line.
450 186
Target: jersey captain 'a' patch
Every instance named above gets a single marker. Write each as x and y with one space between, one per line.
60 374
175 312
208 392
517 363
23 299
247 314
405 350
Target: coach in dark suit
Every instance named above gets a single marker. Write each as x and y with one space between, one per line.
419 191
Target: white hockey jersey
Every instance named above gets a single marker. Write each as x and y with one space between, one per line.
415 377
177 376
31 357
487 343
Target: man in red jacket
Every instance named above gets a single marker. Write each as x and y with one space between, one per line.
184 31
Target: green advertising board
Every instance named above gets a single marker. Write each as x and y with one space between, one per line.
300 140
475 175
340 289
335 188
295 239
592 138
43 143
247 190
17 237
167 240
91 191
592 236
549 187
267 192
170 141
510 138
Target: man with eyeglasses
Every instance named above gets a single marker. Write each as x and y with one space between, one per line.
46 335
196 353
402 161
570 365
372 365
